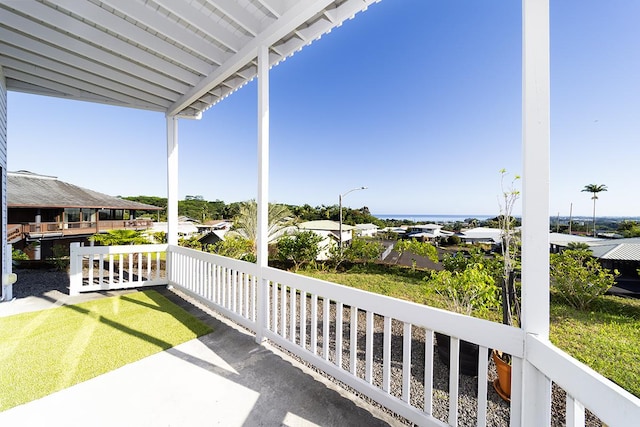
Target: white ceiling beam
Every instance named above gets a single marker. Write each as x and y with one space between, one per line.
136 34
29 73
276 7
78 62
52 70
292 19
203 23
144 14
63 91
68 24
239 15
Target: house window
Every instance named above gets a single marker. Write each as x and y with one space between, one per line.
105 214
72 215
88 215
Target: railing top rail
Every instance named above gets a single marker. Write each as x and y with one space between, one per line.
124 249
234 264
492 334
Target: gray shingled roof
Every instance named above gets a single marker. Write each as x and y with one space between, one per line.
29 190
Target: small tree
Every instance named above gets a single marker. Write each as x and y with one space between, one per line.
453 240
192 242
363 250
300 248
416 247
234 247
466 291
509 245
579 277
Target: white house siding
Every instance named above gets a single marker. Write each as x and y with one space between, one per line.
6 258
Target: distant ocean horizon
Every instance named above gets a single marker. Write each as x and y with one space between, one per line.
443 218
433 218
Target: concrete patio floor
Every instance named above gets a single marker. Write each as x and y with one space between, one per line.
221 379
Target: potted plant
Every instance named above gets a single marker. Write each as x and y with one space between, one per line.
467 290
508 296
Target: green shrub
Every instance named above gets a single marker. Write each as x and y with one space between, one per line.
473 289
363 250
579 277
300 248
234 247
453 240
18 255
60 258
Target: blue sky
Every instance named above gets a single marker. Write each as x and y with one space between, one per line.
418 100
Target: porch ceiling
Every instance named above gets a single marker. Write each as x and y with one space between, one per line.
174 56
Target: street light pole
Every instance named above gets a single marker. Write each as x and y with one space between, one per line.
340 206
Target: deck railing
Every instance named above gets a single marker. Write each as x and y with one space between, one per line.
17 232
384 347
94 268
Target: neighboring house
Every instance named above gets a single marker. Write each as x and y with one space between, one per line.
366 230
330 231
213 237
560 241
620 254
430 232
186 229
400 231
213 231
44 211
481 235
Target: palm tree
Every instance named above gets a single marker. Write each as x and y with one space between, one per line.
594 189
245 224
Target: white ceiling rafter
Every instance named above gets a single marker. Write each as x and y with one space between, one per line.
123 97
239 15
83 49
30 48
142 13
108 45
276 7
129 31
81 75
179 57
203 23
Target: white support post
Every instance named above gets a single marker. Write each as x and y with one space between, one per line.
172 180
172 192
263 187
9 277
535 202
75 269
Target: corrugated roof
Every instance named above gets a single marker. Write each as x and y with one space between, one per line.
623 252
29 190
178 57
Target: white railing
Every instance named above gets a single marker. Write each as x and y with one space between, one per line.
95 268
309 317
586 389
226 284
383 347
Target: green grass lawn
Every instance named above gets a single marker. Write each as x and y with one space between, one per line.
606 338
49 350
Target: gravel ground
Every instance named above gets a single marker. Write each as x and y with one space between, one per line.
39 282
